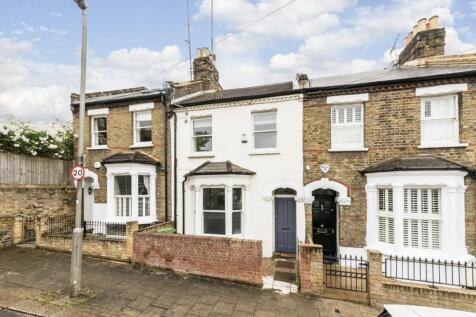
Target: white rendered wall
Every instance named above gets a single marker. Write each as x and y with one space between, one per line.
280 168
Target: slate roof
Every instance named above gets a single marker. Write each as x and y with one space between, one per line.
390 75
118 95
415 163
239 94
219 168
131 157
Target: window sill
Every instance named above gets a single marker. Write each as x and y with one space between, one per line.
141 145
364 149
201 155
265 152
461 145
98 147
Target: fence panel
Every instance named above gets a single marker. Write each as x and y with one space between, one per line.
18 169
431 271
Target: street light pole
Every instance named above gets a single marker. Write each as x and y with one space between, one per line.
76 251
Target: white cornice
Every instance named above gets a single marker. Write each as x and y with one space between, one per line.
246 102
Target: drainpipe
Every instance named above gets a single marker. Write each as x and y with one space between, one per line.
175 168
183 203
163 100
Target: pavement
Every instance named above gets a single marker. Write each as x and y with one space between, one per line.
34 282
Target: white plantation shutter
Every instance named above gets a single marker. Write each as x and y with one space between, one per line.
386 222
422 222
439 121
347 127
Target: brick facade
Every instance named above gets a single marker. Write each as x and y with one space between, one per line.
219 257
120 138
391 129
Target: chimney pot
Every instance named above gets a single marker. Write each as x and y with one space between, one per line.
421 26
433 22
303 80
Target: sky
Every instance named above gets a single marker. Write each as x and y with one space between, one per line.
143 43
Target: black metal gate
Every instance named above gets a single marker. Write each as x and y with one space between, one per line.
29 233
346 272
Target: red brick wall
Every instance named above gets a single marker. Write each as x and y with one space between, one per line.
225 258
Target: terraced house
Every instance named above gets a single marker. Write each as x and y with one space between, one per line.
126 156
390 155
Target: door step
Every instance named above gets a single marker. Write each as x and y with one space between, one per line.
287 277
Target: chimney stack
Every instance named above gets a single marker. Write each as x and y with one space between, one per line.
426 39
204 69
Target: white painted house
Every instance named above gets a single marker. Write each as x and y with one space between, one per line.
239 165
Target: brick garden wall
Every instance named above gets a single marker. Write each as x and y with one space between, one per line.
391 129
120 138
384 290
36 200
112 249
225 258
380 289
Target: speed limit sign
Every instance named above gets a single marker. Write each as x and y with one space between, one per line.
77 172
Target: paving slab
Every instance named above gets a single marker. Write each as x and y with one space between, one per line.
36 281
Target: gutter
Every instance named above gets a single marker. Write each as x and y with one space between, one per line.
110 101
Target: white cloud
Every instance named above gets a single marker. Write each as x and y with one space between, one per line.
37 91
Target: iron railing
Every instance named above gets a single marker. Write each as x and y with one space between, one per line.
92 229
29 230
431 271
101 229
60 225
346 272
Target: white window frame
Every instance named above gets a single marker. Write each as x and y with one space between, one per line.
424 120
143 200
94 144
418 216
335 124
228 210
193 136
386 217
241 211
134 170
269 150
120 212
225 211
136 134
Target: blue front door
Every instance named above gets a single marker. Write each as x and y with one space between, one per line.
285 223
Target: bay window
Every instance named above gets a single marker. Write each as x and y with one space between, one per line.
347 128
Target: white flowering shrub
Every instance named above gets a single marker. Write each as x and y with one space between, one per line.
22 137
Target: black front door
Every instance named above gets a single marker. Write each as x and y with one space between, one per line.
285 223
324 221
